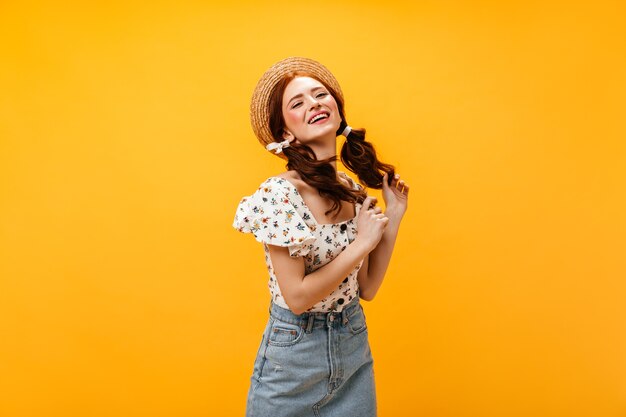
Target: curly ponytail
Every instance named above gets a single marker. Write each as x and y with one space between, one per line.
359 156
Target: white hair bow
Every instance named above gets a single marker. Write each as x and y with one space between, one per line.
278 146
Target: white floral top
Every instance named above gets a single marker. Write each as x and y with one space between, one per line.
276 214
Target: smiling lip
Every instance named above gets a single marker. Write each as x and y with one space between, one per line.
320 121
317 114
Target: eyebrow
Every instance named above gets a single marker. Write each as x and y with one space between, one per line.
300 95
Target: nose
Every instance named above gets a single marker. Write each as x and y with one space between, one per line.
314 103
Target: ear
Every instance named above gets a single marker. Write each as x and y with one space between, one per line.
287 135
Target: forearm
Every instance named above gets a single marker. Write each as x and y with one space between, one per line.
322 282
379 259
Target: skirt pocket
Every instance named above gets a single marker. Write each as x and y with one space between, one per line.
284 334
356 322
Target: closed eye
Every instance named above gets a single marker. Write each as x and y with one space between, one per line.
322 94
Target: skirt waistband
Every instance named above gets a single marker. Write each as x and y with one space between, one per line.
305 320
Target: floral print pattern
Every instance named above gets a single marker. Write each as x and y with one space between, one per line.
277 215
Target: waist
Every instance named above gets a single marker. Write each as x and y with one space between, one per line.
305 319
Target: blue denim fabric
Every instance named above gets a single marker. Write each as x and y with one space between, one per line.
313 364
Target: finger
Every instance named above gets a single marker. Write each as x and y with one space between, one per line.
377 209
368 202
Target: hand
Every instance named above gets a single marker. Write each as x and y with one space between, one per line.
396 196
371 224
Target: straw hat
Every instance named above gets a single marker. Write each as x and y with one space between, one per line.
259 108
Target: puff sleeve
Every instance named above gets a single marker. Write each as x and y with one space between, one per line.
272 218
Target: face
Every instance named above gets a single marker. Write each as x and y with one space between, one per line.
309 110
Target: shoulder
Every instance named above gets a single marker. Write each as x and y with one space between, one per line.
291 180
275 187
288 175
345 179
348 181
291 176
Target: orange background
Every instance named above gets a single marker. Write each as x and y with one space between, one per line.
125 146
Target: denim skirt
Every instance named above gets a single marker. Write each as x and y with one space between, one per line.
313 364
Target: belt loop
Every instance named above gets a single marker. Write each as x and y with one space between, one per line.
309 325
344 316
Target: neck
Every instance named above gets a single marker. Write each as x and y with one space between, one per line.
325 148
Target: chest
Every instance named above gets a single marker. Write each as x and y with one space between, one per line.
318 206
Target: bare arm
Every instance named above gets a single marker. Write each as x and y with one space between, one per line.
371 276
303 291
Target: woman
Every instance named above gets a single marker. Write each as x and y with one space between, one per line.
314 358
